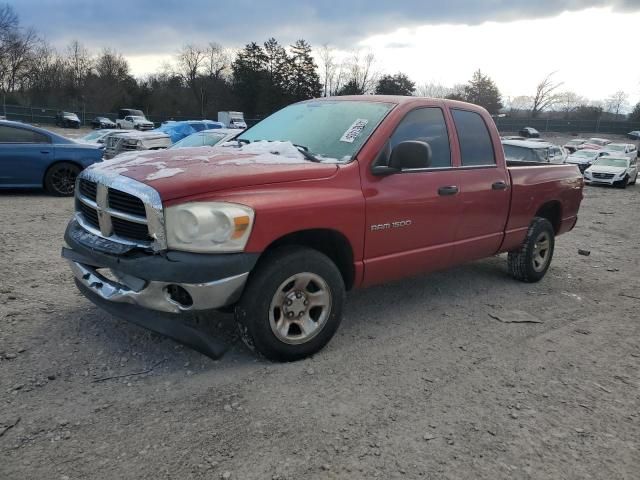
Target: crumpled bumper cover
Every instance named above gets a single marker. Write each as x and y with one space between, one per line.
127 274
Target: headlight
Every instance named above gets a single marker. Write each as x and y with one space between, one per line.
208 226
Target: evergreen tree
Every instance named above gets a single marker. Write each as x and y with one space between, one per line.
398 84
249 75
304 79
634 116
274 91
350 88
482 91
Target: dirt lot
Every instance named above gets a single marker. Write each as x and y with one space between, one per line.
420 381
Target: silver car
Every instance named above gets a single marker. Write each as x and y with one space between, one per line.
614 171
208 138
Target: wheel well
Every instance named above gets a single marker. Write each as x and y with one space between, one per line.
552 211
57 162
330 242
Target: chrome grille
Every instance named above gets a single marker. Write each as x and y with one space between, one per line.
604 176
120 209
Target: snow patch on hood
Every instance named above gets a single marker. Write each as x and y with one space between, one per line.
164 173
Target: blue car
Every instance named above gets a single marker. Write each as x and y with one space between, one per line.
32 157
182 129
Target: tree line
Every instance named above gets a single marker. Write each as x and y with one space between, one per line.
257 79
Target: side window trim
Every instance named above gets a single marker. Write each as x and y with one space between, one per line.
446 126
493 148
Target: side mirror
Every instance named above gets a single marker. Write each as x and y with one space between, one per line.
410 154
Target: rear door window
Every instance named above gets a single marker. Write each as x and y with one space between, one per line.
426 125
21 135
476 147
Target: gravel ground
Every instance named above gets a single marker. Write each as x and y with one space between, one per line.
421 380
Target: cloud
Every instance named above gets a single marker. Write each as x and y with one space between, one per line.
147 27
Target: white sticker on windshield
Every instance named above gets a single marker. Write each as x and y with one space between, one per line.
354 130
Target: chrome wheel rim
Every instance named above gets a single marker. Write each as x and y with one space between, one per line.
541 251
64 180
300 308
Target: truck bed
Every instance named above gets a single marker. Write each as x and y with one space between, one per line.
555 187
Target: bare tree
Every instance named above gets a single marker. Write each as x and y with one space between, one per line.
328 70
569 101
217 61
433 90
545 96
79 62
617 102
18 49
519 103
360 71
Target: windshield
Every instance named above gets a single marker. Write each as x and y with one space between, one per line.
331 129
615 148
598 141
92 136
575 142
585 154
612 162
523 154
199 140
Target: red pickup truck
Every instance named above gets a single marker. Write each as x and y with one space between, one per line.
319 198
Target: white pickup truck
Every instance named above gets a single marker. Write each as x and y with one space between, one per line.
131 119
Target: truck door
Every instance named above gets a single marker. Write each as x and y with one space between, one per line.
484 188
412 216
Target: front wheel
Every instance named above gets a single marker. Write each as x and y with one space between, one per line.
292 305
60 179
531 262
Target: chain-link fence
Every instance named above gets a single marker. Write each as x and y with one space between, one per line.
47 116
507 124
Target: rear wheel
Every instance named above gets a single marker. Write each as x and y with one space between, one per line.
531 262
292 305
60 179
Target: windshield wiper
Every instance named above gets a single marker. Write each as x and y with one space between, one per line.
243 141
307 154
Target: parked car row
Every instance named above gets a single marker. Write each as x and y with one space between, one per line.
598 159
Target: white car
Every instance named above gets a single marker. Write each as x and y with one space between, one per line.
584 158
533 151
97 137
129 141
208 138
622 150
574 144
614 171
134 122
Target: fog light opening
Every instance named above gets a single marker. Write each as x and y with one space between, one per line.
179 295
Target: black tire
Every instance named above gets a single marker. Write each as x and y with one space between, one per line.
525 264
622 183
60 179
255 316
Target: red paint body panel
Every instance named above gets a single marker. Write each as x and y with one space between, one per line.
438 231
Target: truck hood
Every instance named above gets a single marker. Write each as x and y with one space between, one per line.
198 170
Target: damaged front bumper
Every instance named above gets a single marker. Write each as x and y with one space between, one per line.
155 289
169 281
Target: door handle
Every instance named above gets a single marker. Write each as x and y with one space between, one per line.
500 185
448 190
45 151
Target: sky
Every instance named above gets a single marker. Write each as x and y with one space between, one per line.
592 45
